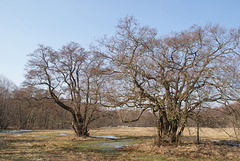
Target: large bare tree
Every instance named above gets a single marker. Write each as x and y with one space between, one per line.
73 78
171 75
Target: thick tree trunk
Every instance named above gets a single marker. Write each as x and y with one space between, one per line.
79 125
168 131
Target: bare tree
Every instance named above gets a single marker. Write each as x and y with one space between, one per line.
6 90
73 78
230 74
172 75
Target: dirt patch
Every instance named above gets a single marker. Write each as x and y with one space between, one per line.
191 151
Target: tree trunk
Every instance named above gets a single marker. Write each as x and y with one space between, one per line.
198 139
167 131
79 125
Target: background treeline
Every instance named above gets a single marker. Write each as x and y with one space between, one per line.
21 109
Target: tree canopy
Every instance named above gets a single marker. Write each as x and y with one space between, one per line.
171 75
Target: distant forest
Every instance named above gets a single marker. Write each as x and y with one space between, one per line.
21 109
29 109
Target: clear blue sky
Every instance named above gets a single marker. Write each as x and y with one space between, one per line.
26 23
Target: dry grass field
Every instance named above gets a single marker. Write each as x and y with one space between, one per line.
205 133
212 133
64 145
125 131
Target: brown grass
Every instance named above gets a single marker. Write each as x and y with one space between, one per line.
125 131
205 133
46 145
212 133
190 151
64 145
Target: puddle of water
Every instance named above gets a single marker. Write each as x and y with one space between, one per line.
114 142
109 137
224 142
38 136
117 144
15 131
111 146
63 134
66 134
215 141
